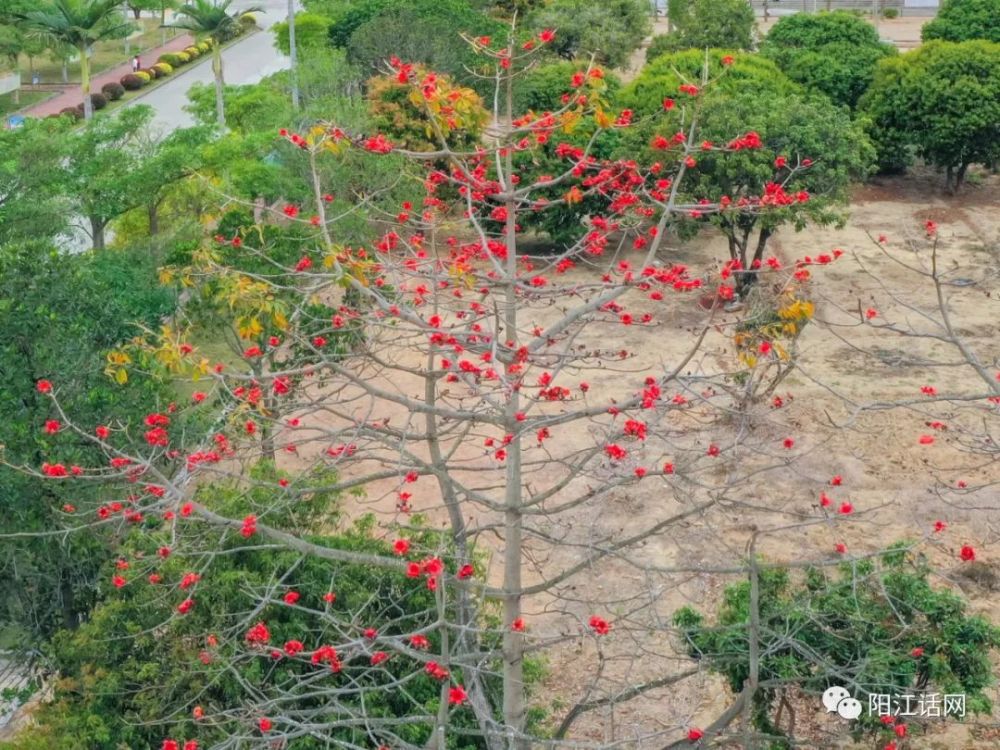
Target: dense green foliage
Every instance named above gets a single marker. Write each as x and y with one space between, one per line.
542 88
751 94
58 317
30 190
832 53
856 627
940 101
610 31
312 31
962 20
418 31
722 24
130 676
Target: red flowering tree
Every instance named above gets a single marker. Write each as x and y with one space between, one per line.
578 452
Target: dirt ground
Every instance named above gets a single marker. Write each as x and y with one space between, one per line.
898 486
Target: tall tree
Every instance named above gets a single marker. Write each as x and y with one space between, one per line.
80 24
213 19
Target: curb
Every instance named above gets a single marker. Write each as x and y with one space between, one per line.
186 69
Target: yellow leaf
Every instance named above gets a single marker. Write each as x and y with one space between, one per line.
603 119
121 376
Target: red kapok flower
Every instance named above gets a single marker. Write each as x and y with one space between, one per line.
599 625
291 597
457 696
695 734
518 625
926 439
846 508
940 526
44 386
917 652
401 546
967 553
265 724
52 426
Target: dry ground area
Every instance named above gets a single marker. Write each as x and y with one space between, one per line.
898 487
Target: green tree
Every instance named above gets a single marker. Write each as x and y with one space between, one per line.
942 101
417 31
962 20
873 627
835 53
31 204
611 31
723 24
60 314
153 673
808 155
213 19
112 165
312 32
79 24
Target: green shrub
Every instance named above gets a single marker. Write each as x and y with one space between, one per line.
890 12
659 79
834 53
418 31
132 82
962 20
312 31
541 88
611 30
725 24
114 91
171 58
204 47
874 626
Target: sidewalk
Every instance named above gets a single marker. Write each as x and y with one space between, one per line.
70 96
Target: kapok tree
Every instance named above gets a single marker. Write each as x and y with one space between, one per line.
515 402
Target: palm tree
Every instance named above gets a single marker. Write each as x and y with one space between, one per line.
212 18
79 24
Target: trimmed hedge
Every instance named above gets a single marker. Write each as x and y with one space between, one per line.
114 91
193 52
184 57
98 101
164 68
75 112
171 58
132 82
145 76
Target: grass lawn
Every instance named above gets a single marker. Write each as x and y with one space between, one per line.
106 55
27 99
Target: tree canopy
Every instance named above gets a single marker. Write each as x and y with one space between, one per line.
834 53
719 24
963 20
940 101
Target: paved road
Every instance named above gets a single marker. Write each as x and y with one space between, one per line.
247 61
